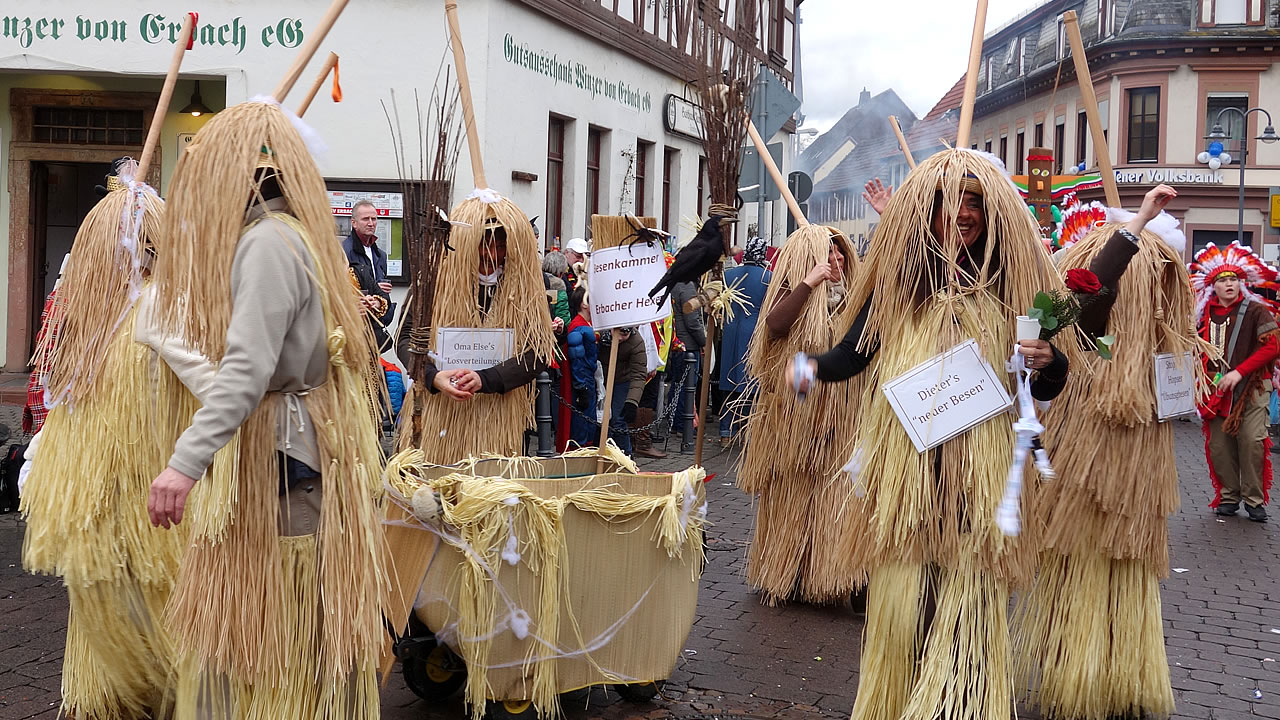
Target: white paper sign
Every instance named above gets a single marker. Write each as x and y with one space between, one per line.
472 348
1175 385
947 395
620 281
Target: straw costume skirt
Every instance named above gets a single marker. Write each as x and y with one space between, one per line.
801 492
1089 638
85 503
937 637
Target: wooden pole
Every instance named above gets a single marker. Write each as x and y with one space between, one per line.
329 63
902 142
706 387
971 78
610 376
776 174
1085 80
945 143
166 94
309 49
464 92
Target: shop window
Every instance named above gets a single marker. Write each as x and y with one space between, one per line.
1020 146
643 150
595 141
1059 144
1232 123
554 223
391 203
1082 136
668 171
1144 124
87 126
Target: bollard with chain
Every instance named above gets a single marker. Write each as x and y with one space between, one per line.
544 417
659 432
690 391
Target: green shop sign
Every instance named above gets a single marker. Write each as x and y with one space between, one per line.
151 28
575 74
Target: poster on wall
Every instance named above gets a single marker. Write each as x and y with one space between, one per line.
390 209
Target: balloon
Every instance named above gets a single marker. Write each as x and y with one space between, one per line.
1225 158
1215 148
1203 157
1214 163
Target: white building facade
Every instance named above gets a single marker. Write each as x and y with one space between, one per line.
571 106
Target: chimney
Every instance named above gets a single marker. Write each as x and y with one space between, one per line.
864 96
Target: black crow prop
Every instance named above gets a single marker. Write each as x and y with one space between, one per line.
699 256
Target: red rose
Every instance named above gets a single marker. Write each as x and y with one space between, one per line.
1082 281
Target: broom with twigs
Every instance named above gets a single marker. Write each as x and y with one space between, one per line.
725 67
1106 514
246 600
490 422
800 518
427 182
105 433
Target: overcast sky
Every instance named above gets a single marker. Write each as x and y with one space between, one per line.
919 48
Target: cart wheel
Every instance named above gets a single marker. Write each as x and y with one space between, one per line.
510 710
436 674
640 692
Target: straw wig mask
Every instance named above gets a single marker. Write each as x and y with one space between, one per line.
216 179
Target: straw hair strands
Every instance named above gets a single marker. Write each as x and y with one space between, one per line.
800 511
101 282
488 422
229 611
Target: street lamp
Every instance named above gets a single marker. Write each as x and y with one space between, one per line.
1215 158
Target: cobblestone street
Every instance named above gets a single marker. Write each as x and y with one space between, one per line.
1221 611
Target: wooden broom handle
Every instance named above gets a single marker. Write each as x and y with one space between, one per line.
464 92
166 94
309 49
1085 79
329 64
776 174
971 77
611 376
902 142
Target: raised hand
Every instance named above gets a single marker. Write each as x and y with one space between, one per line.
875 193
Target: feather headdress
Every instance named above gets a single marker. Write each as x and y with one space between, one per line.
1213 262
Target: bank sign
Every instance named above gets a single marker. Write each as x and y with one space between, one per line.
151 28
1170 176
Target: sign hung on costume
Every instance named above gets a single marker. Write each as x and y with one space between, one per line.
619 280
1175 385
947 396
472 348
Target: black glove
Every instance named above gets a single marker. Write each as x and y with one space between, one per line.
629 412
581 399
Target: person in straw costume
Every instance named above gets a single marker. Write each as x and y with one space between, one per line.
956 256
105 438
492 280
1240 325
1089 639
277 609
798 513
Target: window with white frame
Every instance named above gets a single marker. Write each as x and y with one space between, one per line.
1231 121
1022 56
1062 38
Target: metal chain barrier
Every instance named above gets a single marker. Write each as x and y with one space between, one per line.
666 414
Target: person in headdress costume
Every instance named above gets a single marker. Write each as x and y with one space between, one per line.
113 414
1240 324
956 257
799 515
277 610
1089 637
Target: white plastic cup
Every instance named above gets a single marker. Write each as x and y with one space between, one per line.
1028 328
